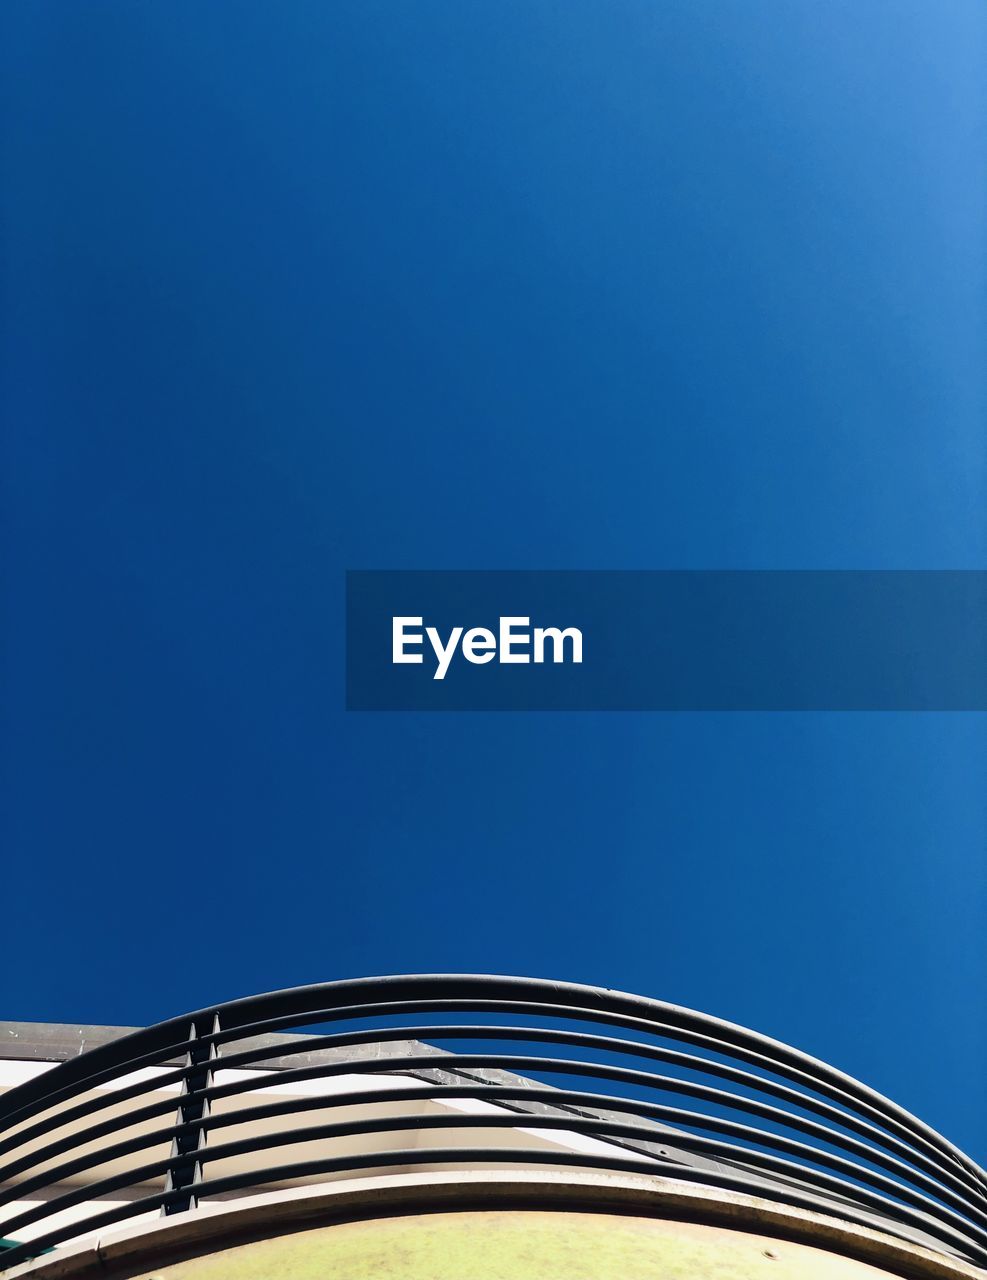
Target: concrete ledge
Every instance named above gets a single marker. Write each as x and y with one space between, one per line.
122 1253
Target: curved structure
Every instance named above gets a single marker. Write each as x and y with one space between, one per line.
523 1110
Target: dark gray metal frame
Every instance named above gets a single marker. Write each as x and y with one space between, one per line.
820 1141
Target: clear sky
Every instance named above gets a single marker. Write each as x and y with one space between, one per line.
296 288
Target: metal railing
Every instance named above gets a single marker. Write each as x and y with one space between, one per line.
597 1079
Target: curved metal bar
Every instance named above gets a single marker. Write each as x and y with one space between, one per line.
947 1174
451 1155
572 1011
933 1188
571 995
587 1126
527 1034
888 1114
299 1002
977 1178
38 1105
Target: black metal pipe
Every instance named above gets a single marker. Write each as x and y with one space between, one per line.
205 1096
300 1170
935 1189
300 1002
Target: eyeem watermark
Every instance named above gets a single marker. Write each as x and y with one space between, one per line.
513 641
666 640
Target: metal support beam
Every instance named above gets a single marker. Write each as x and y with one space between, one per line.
186 1166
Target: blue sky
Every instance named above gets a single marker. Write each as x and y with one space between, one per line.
295 289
